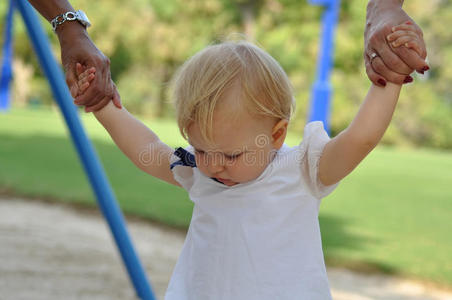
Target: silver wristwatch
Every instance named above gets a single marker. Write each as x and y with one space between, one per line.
78 15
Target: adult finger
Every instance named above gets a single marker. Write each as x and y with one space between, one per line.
116 98
387 61
96 99
95 93
71 80
378 65
97 106
373 76
411 58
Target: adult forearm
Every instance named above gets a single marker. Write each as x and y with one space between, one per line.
376 7
374 115
49 9
384 4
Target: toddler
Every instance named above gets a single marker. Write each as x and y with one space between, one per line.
254 233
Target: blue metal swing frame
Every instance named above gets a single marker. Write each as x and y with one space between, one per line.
90 161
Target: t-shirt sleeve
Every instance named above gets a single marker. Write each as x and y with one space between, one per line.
311 148
181 172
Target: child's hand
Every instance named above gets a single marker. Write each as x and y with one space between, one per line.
405 34
84 77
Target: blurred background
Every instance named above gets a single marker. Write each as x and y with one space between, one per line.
392 214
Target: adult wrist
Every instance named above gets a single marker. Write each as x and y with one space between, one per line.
378 5
70 31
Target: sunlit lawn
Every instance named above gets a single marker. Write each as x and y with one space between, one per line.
391 214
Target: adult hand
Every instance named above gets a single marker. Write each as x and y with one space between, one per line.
391 64
77 47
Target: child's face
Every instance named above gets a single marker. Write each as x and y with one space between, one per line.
244 145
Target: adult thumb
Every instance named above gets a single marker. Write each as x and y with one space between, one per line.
71 80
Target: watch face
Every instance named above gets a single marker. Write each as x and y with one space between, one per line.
83 18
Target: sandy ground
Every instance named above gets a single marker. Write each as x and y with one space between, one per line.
54 251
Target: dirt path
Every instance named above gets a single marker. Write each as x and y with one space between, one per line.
52 251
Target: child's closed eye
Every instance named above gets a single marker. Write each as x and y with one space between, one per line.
232 157
406 35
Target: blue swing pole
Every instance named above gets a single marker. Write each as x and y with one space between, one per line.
321 91
104 194
6 69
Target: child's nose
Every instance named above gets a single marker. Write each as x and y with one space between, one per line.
215 165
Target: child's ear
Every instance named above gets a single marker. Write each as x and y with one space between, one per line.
279 133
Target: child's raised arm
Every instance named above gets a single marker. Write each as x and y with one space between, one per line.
345 151
136 141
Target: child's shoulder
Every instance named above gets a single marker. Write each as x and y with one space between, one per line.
315 137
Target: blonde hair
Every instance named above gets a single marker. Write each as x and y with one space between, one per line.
199 84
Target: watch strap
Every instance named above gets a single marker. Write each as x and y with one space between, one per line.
69 16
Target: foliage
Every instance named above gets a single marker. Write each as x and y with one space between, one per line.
148 39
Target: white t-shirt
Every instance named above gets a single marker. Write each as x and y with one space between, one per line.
257 240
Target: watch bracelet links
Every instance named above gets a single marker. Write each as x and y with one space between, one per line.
67 16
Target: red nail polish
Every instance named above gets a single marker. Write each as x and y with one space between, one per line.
408 79
425 69
382 82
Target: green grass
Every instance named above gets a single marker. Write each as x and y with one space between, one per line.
392 214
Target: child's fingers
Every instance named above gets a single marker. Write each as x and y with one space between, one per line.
85 82
89 78
86 78
83 87
78 69
402 41
405 26
409 41
395 35
415 46
86 73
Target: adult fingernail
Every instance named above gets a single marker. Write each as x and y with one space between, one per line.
382 82
408 79
426 68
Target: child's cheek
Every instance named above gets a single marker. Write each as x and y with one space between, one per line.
200 163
